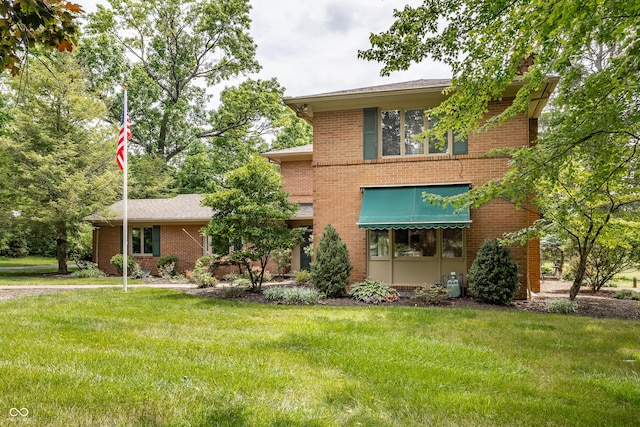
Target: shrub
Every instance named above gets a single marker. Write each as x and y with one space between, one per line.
302 277
493 275
432 294
168 265
331 268
232 291
256 271
292 296
561 306
204 279
91 271
231 277
627 294
373 292
282 257
242 281
203 273
133 268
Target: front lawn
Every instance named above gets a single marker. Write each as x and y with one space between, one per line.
161 357
29 261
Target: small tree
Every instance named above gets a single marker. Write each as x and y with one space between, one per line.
494 274
250 208
331 268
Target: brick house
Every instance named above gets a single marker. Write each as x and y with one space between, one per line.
157 227
368 175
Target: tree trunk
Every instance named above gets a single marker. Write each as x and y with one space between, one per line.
577 281
61 254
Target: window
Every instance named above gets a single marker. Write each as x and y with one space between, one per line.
379 243
401 135
142 240
446 243
399 127
415 243
452 243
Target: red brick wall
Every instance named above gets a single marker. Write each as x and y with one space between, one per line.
173 241
297 179
340 172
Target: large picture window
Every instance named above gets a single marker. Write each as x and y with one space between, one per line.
449 242
142 240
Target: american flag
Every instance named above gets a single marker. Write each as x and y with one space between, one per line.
125 128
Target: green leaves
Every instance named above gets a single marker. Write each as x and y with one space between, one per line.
59 156
251 207
24 24
582 174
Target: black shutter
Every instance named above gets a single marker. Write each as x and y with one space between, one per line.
370 133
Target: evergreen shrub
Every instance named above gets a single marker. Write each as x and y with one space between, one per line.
331 268
493 275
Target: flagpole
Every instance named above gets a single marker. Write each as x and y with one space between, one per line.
125 196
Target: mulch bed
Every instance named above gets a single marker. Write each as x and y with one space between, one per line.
598 305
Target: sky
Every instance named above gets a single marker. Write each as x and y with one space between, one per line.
311 46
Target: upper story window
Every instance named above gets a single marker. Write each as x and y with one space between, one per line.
402 131
397 133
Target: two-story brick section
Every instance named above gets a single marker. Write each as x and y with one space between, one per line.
369 173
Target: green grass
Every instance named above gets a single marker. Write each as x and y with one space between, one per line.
155 357
48 278
626 277
29 261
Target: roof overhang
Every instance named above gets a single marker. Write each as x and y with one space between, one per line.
417 94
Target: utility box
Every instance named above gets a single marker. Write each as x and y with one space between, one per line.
453 286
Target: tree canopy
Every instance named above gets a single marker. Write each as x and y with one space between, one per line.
58 154
486 41
25 23
171 53
250 208
582 174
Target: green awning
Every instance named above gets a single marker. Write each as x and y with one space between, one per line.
403 207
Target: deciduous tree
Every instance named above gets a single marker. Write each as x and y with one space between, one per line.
251 207
50 24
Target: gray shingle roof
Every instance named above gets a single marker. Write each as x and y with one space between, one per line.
181 208
301 149
391 87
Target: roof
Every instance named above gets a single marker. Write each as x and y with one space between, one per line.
184 208
391 87
181 208
301 152
424 93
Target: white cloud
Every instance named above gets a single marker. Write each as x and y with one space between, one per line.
312 46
